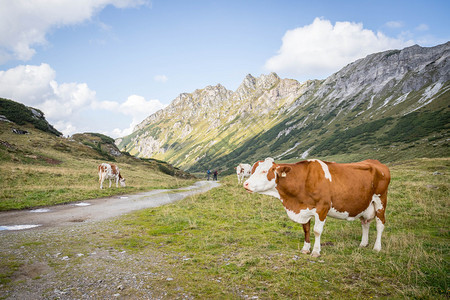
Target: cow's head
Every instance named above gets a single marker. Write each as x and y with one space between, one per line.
122 181
263 177
238 169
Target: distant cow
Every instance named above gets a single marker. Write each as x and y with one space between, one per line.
111 172
242 171
318 189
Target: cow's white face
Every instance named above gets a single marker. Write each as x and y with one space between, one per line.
263 179
238 170
122 182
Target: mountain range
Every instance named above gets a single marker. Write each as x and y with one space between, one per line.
387 105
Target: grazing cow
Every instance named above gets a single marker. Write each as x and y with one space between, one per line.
110 171
319 189
242 171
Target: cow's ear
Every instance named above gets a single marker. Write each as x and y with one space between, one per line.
283 170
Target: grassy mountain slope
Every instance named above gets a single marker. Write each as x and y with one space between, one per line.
40 168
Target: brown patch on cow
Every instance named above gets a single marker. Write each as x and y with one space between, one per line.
255 165
114 169
271 173
102 168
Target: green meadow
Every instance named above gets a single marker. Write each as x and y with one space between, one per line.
229 244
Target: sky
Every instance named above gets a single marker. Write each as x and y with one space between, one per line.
105 65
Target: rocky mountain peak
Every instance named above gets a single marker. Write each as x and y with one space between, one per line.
267 115
247 86
266 82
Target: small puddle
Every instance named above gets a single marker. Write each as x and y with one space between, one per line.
40 210
82 204
18 227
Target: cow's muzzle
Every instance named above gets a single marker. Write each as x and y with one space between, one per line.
246 186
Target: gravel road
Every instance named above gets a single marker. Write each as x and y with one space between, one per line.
70 255
95 209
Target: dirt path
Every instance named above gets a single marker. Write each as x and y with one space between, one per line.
95 209
71 254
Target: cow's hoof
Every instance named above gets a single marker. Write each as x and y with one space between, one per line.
315 254
363 245
304 251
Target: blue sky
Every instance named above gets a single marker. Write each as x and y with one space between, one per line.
104 65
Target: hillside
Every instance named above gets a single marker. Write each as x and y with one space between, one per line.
11 111
42 168
388 105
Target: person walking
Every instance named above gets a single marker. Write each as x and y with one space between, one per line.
208 174
215 175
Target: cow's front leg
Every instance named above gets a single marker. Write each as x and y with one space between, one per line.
110 183
365 224
319 222
307 245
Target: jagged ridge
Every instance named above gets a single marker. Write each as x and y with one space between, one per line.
284 118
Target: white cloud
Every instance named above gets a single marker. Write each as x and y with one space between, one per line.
137 106
25 23
161 78
68 106
36 86
28 84
319 49
67 128
138 109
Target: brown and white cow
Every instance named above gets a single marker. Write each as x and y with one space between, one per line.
111 172
242 171
318 189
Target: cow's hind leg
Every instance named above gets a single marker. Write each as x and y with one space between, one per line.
380 228
101 178
380 218
307 245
